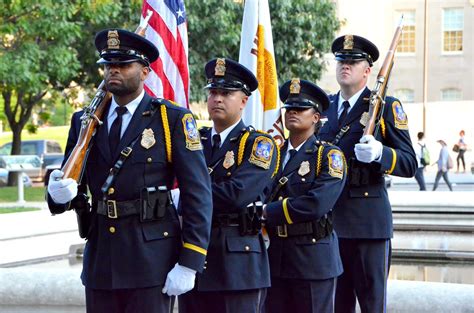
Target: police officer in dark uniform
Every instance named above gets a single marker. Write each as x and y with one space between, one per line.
304 252
362 214
136 255
241 163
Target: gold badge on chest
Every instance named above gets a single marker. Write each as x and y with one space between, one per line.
229 160
304 168
148 138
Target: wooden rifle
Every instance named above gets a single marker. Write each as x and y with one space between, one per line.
90 120
377 96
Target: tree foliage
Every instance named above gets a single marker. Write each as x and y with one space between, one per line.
45 45
303 31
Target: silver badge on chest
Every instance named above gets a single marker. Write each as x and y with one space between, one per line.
304 168
148 138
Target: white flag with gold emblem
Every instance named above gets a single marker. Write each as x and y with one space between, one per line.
256 53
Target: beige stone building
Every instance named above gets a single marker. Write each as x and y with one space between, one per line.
449 104
449 42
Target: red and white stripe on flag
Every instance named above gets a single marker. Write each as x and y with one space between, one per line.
257 54
167 29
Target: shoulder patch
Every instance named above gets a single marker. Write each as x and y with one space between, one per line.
191 133
262 152
336 163
399 116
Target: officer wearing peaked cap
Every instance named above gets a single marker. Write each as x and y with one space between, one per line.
303 252
241 163
362 214
136 254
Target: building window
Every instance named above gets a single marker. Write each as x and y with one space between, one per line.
451 94
405 95
453 25
407 41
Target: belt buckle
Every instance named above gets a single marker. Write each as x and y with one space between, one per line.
283 180
112 209
282 231
210 170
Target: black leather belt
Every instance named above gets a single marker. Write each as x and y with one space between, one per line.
220 220
318 229
116 209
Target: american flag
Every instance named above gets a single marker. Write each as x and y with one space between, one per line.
167 29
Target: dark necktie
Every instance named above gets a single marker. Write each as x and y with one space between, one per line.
216 144
115 129
292 153
346 106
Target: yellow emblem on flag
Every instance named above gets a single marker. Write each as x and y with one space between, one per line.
113 41
191 133
348 42
148 138
266 73
262 152
336 163
399 116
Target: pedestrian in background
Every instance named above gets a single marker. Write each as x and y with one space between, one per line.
445 163
461 147
420 152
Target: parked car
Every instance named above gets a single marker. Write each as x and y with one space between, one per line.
49 152
4 178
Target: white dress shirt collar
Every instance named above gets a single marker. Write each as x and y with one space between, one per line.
225 132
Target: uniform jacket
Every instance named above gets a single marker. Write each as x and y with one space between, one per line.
236 262
309 194
364 211
124 252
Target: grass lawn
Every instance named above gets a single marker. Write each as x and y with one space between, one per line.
10 194
58 133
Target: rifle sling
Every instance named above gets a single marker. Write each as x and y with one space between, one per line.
114 171
124 154
281 182
340 134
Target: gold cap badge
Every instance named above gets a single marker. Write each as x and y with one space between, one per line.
220 67
113 41
348 42
295 86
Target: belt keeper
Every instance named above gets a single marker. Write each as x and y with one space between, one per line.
126 151
282 231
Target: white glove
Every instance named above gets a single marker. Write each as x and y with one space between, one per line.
369 149
179 280
61 190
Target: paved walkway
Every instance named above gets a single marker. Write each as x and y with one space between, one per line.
37 234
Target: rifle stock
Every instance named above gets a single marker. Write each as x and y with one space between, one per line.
377 96
90 120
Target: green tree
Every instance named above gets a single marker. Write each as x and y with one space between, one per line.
303 31
45 45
